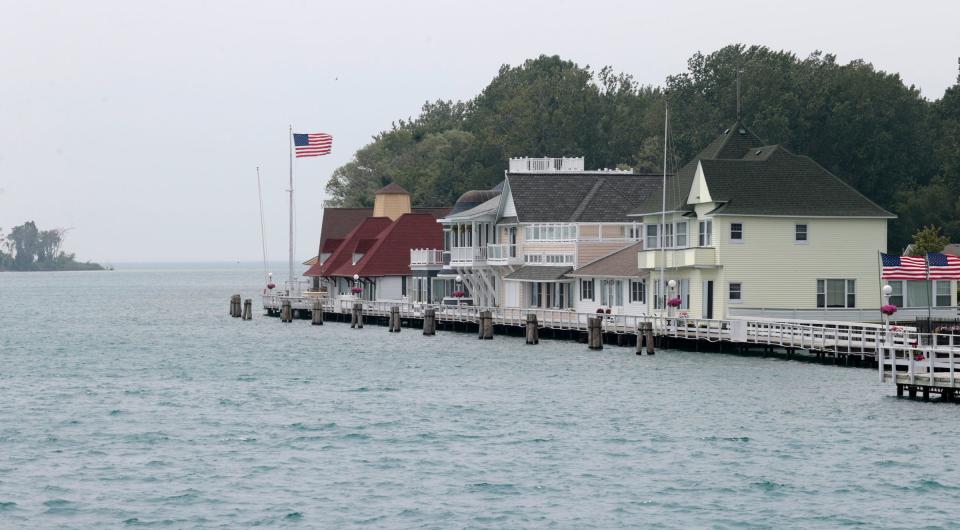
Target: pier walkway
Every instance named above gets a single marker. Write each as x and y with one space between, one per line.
915 362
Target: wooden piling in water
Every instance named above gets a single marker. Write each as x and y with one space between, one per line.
485 325
594 334
317 313
248 309
286 313
356 316
645 335
533 331
394 322
430 321
235 310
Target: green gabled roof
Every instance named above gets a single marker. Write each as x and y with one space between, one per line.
778 182
750 178
733 142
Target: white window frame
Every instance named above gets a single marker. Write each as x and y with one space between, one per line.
849 289
585 286
936 293
638 288
686 235
730 298
652 240
732 239
806 234
705 233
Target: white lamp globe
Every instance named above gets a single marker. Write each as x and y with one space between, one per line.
672 283
887 290
356 277
459 278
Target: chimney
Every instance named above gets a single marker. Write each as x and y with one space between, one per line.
391 201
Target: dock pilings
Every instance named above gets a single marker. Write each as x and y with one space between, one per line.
645 335
235 310
485 325
248 309
533 331
430 321
594 333
317 313
286 312
394 322
356 316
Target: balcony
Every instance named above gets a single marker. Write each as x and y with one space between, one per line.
677 257
468 256
426 257
503 254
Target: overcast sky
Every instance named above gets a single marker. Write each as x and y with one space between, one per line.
140 126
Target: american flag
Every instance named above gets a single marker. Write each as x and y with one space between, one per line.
943 266
903 267
312 144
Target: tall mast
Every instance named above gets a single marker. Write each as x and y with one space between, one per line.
263 227
663 210
290 142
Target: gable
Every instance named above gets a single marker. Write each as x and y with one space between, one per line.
699 191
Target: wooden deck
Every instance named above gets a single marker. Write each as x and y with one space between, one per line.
915 362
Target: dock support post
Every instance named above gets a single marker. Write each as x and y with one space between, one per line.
926 393
594 334
356 316
248 309
317 314
899 390
235 306
394 323
485 323
645 334
286 313
430 321
533 332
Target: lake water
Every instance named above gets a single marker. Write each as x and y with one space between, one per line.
132 398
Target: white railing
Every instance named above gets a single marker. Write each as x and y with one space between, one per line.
503 254
525 165
831 314
468 256
426 256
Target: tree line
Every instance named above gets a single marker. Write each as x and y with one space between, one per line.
863 124
27 248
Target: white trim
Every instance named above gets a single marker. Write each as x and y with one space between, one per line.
806 233
798 216
730 300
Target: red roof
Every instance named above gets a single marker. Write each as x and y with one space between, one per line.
389 253
368 228
338 222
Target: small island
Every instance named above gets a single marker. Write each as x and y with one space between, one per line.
27 248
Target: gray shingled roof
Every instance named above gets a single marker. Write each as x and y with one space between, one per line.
783 184
751 178
619 264
538 273
579 197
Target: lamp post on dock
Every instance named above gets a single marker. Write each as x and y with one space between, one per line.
886 291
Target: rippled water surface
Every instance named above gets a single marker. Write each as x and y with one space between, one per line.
132 398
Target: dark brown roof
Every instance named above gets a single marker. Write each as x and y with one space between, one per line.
392 189
619 264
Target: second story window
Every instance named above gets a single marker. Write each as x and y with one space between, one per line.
706 233
682 234
736 232
668 236
800 233
652 238
736 293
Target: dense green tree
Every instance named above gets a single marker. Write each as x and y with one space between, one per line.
28 248
928 239
861 123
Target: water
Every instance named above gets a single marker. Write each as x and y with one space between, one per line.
131 398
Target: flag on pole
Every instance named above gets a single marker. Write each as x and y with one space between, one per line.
903 267
943 266
312 144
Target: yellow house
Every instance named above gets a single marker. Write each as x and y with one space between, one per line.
755 230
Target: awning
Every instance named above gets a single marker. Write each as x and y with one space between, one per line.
540 273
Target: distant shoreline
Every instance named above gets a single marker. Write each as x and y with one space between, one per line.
73 267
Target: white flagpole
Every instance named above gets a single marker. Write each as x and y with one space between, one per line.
290 142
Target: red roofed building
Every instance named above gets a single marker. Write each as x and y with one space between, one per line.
377 249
